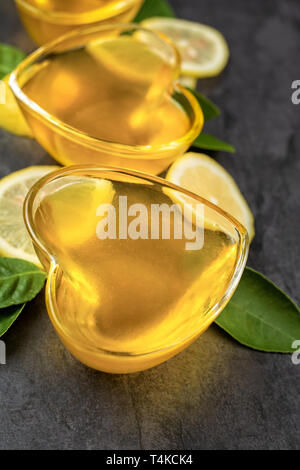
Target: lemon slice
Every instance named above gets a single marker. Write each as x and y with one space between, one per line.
204 51
14 239
11 117
189 82
202 175
134 58
70 210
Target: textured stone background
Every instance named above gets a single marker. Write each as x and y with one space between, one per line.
217 394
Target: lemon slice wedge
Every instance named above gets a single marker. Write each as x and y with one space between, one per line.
14 239
204 51
134 58
189 82
205 177
11 117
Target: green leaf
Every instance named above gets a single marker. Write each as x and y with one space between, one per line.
10 57
20 281
209 142
210 110
261 316
154 8
8 316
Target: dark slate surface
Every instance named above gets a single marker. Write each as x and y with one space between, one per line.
217 394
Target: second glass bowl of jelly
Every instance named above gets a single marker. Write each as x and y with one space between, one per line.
46 20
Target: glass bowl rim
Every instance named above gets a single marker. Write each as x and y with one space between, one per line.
83 138
66 18
50 299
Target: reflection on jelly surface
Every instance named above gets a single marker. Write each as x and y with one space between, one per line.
115 90
126 295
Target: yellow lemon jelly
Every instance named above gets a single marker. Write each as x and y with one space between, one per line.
129 300
113 101
46 20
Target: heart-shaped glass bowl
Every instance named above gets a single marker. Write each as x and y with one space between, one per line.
138 267
108 95
47 20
